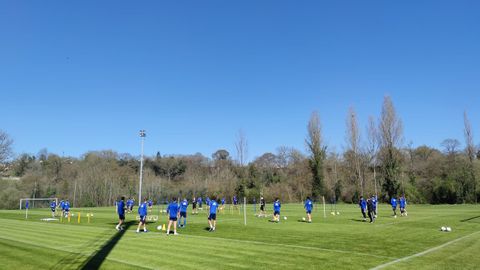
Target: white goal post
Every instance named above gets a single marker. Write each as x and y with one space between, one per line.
37 199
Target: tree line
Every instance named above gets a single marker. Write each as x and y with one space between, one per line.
376 161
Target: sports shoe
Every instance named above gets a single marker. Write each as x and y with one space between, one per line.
175 233
138 231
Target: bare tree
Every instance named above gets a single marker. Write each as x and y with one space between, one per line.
470 151
241 145
317 154
390 138
5 146
353 141
451 146
372 149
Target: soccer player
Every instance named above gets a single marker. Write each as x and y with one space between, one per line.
66 208
235 201
194 206
308 207
212 217
199 202
150 205
223 204
121 213
370 210
173 216
374 203
62 206
262 207
393 202
142 212
276 210
183 213
53 205
363 207
403 205
207 202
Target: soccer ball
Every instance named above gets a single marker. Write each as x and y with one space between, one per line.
303 219
159 227
443 229
73 215
338 213
449 229
285 218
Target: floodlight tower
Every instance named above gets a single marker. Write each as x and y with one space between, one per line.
142 136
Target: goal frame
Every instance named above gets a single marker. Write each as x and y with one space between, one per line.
37 199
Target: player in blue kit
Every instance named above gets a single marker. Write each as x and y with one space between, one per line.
212 217
150 205
142 212
53 206
121 214
172 211
199 203
66 208
374 204
222 206
393 203
62 206
276 210
308 208
183 213
403 206
363 207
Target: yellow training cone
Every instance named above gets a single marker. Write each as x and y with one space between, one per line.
163 227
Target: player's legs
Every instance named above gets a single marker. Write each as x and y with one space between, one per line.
168 227
175 227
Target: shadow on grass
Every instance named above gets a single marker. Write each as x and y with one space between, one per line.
469 219
99 257
358 220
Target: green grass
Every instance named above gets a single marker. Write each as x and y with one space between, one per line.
341 242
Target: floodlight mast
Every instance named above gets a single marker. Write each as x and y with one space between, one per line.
142 136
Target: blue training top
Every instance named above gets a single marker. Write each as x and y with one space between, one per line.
142 209
183 206
213 207
173 209
276 206
393 202
121 207
308 205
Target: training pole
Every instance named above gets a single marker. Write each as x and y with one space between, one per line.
245 210
324 211
142 135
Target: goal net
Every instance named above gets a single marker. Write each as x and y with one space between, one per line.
37 202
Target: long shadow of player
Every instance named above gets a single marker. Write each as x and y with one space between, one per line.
469 219
99 257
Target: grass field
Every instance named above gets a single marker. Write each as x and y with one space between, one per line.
334 242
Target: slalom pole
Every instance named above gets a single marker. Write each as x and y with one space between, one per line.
245 210
324 211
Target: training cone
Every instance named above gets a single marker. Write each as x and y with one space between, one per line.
163 228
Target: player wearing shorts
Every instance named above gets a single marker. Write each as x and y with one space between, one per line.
363 207
308 208
403 206
374 204
393 203
194 206
183 213
172 215
121 214
53 206
142 212
66 208
262 207
276 210
212 217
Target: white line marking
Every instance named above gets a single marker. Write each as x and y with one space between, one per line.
423 252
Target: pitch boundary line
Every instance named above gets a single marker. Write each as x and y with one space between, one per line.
423 252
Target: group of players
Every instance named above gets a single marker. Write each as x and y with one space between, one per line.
178 210
64 205
369 206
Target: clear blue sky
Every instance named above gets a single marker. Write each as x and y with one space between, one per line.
87 75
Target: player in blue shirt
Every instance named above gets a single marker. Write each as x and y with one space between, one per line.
183 213
207 202
172 211
53 205
142 212
393 203
199 202
276 210
121 213
62 206
308 207
374 204
150 205
403 205
222 206
212 217
363 207
66 208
